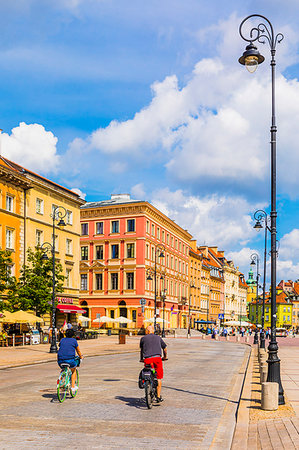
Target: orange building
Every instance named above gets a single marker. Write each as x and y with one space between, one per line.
13 186
121 239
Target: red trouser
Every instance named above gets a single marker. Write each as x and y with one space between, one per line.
156 364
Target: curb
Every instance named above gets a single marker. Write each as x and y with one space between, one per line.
226 428
34 363
242 424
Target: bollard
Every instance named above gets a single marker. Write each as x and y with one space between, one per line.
227 338
174 334
269 396
13 340
238 339
247 339
263 376
203 336
263 367
217 337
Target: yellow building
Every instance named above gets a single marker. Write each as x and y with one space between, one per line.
195 257
284 310
13 186
38 201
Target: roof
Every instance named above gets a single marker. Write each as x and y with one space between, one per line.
116 199
23 171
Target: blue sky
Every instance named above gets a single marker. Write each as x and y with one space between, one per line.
148 98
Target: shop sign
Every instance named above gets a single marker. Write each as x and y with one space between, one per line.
65 300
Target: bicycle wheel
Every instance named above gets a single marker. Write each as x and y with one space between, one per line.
76 384
148 394
62 385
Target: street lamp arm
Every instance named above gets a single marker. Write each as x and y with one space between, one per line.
59 212
46 247
262 32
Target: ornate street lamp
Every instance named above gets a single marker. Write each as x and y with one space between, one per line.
58 214
255 260
262 220
152 273
192 286
251 58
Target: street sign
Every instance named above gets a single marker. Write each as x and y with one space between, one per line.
142 301
142 309
221 316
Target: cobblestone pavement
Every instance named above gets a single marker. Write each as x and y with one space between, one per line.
109 410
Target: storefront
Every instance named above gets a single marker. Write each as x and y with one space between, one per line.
67 311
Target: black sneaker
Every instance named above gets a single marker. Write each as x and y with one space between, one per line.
160 399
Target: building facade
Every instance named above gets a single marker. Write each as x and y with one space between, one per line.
132 251
35 202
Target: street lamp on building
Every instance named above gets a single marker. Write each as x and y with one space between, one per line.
262 220
262 33
151 274
255 260
192 286
58 214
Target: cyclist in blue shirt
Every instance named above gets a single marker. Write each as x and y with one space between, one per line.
68 347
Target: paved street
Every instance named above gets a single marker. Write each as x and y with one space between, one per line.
109 411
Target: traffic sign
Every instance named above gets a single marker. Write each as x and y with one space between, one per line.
142 301
221 316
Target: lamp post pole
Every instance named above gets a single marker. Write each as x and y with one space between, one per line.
58 213
163 298
261 216
255 260
251 58
150 273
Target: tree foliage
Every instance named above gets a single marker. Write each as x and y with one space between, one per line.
6 281
33 290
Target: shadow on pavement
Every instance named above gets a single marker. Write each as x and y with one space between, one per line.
138 403
202 395
53 397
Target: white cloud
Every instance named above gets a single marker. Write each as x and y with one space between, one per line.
79 192
32 147
242 258
138 191
212 220
289 245
216 128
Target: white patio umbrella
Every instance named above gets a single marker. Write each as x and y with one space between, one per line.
149 320
84 319
160 320
122 319
103 319
237 323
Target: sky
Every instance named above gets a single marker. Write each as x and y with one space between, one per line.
148 98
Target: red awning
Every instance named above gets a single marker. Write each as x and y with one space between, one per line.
70 309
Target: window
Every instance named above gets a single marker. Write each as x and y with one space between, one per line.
69 246
84 253
69 217
99 281
288 309
131 250
131 225
147 226
9 203
288 318
114 281
134 315
55 237
38 238
284 309
84 229
99 252
39 206
9 239
100 228
112 314
68 277
153 230
83 283
114 251
158 233
167 238
130 280
115 226
147 251
163 236
284 318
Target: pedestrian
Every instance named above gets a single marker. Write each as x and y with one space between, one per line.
69 326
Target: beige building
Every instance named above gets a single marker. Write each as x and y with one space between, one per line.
195 302
235 292
40 198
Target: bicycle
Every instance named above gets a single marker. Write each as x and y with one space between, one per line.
64 381
148 381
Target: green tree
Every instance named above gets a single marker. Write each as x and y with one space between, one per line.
6 280
33 290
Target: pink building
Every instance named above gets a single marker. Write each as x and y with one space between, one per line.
120 240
